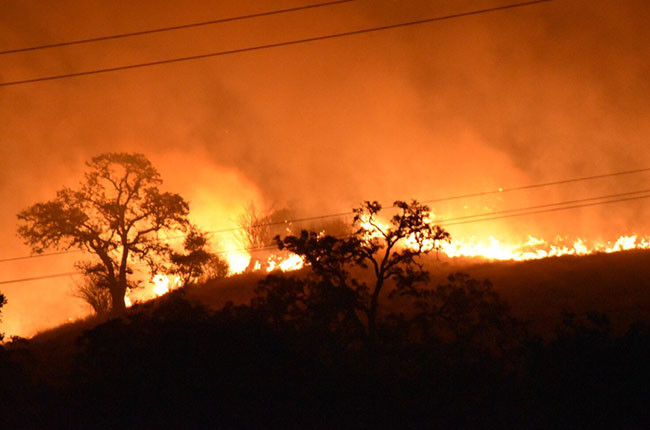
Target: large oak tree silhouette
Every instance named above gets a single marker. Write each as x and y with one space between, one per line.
115 214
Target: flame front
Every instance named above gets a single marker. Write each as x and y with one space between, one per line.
535 249
286 264
238 261
531 249
161 284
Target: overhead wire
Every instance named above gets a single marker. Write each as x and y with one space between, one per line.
37 278
578 203
547 205
43 254
273 45
173 28
547 210
540 185
449 198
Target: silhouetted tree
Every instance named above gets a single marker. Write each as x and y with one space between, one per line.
311 306
257 228
390 252
465 312
337 227
215 268
197 262
3 301
94 288
115 214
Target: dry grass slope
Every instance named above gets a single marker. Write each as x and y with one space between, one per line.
537 291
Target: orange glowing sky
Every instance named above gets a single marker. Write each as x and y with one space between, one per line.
547 92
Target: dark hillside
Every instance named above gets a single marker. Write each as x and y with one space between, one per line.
215 294
538 291
208 356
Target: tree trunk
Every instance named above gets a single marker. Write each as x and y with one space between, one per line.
118 307
372 317
372 313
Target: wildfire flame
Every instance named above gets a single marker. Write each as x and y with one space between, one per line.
162 284
287 264
533 248
238 261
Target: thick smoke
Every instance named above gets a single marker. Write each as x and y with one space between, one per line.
552 91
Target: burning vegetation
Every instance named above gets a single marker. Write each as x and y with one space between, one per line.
361 320
119 216
258 252
494 307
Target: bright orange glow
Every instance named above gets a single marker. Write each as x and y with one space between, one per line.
535 249
162 284
287 264
531 249
238 261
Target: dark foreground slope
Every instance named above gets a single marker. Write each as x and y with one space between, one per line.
539 291
178 363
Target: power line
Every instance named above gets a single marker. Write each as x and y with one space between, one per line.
36 278
272 45
44 254
548 210
541 185
54 275
612 198
488 216
268 247
565 203
456 197
461 196
173 28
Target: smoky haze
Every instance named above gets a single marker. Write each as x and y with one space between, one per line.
550 91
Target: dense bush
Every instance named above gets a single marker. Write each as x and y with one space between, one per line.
292 360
